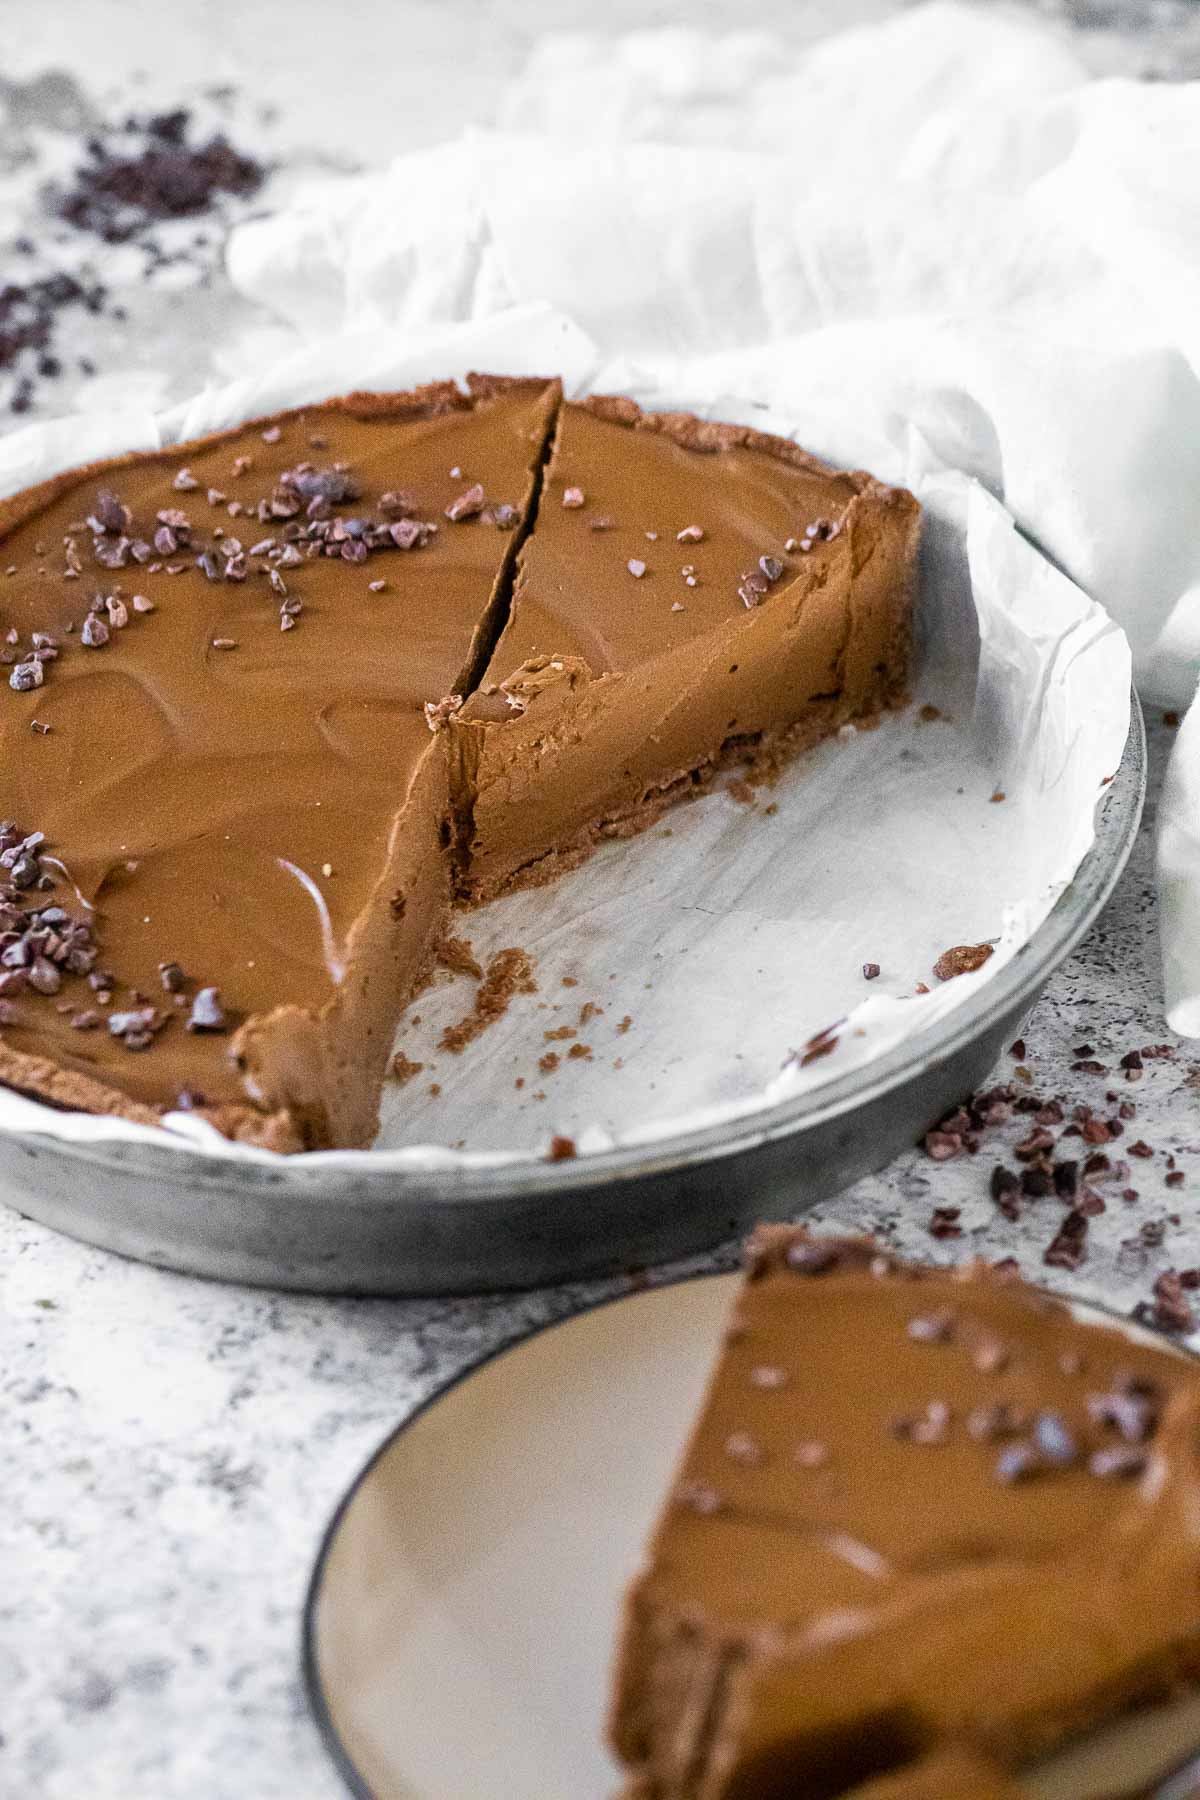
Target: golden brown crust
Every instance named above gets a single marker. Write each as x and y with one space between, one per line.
711 435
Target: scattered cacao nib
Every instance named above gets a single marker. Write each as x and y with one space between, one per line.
207 1013
870 971
109 513
1065 1176
1118 1462
1133 1416
1088 1066
136 1027
1068 1249
395 504
1056 1442
988 1424
930 1427
990 1356
409 534
467 504
961 959
1036 1183
942 1145
932 1328
1141 1149
1176 1178
1006 1189
171 976
1017 1049
943 1222
1017 1462
25 676
1170 1309
561 1149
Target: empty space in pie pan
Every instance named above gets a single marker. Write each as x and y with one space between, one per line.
693 971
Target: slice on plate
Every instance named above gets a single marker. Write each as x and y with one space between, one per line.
692 592
922 1512
228 752
270 712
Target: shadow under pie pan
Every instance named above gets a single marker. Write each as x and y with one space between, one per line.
460 1621
352 1224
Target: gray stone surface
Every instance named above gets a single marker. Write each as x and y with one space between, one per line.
173 1449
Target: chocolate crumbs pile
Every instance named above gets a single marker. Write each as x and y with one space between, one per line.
148 171
509 973
137 183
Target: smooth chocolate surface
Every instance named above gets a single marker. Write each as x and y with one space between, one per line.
922 1510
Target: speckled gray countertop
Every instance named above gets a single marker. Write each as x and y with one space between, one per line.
174 1448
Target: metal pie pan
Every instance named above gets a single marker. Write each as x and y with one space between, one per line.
307 1224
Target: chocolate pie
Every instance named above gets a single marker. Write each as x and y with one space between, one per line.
280 698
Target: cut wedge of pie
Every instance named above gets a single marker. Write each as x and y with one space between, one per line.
691 592
279 698
927 1518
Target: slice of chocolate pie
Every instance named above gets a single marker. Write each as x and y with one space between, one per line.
273 706
691 591
924 1514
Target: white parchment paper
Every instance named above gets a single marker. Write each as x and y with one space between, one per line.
710 948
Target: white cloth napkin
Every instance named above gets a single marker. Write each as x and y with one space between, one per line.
942 218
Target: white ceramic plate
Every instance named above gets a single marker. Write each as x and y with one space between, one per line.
462 1612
